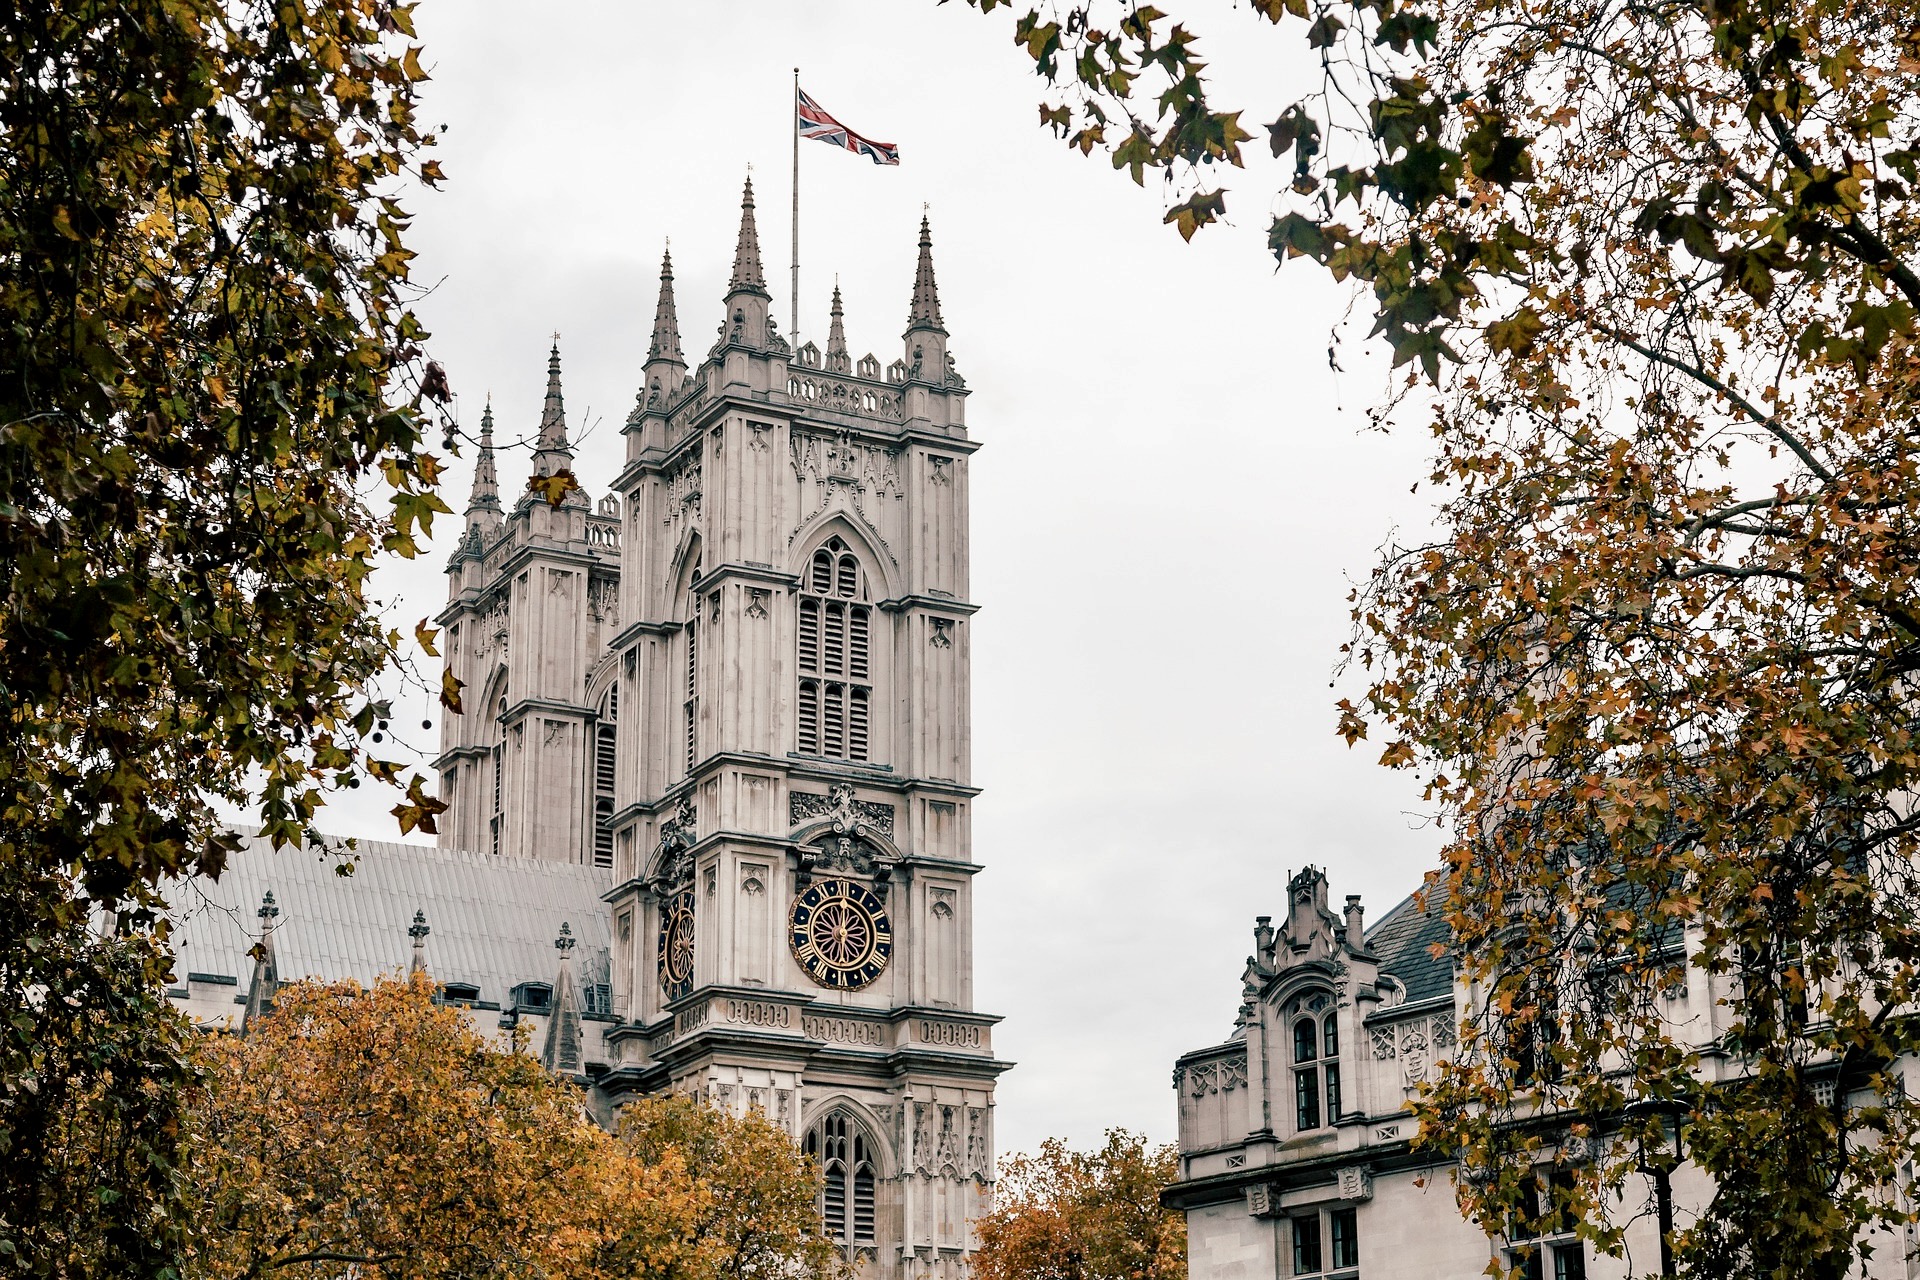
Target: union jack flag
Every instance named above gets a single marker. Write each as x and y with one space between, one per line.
815 123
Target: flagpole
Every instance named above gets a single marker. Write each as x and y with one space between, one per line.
794 111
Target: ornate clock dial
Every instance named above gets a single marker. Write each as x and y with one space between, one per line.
839 933
676 945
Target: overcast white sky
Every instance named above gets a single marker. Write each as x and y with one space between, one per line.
1174 494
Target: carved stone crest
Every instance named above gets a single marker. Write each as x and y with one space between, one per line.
1355 1183
849 816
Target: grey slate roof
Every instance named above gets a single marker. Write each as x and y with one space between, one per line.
1403 940
493 919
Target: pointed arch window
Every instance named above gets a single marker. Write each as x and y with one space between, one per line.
1316 1063
605 758
499 754
847 1176
691 704
835 658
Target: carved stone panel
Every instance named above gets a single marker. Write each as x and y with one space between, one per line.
1355 1183
849 816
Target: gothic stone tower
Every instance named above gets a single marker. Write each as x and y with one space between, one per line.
769 742
531 604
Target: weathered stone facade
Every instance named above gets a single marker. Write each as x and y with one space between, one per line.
1287 1170
740 682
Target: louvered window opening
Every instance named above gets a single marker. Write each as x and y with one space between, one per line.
835 702
605 758
493 823
692 702
846 1166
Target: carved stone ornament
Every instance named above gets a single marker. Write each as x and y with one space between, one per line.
603 601
1262 1202
677 836
1382 1043
1413 1054
683 492
1355 1183
846 854
849 816
978 1159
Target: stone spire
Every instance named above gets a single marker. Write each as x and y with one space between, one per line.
418 931
553 452
925 312
926 339
746 254
837 359
486 482
666 324
561 1052
266 968
749 321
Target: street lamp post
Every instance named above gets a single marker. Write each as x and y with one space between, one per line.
1658 1160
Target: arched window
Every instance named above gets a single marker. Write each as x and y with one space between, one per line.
605 756
835 702
692 701
846 1166
1316 1063
499 767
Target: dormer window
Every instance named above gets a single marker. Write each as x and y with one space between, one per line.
1316 1064
459 992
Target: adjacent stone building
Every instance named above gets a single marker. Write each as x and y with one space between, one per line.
716 720
1296 1157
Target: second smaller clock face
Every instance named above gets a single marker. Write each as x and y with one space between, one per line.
839 933
676 945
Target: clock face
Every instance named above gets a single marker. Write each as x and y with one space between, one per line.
676 945
839 934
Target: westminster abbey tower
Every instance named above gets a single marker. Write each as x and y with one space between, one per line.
738 682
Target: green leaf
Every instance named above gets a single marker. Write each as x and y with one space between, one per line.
1197 211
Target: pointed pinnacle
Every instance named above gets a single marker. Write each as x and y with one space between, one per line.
746 254
486 482
666 322
553 412
925 311
837 331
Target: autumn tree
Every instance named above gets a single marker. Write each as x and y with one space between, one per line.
211 423
1654 269
377 1133
376 1130
756 1215
1062 1214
